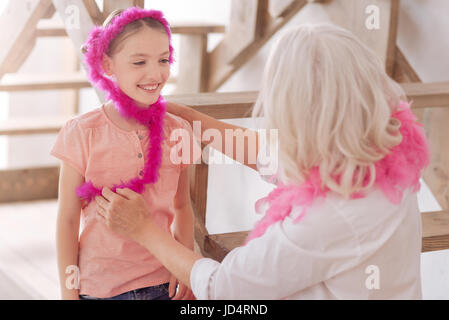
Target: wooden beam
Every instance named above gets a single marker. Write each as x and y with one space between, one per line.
94 12
18 22
192 75
27 126
219 245
111 5
198 194
279 8
436 175
435 236
31 82
427 95
80 34
28 184
435 226
352 15
231 105
50 28
403 71
227 58
224 105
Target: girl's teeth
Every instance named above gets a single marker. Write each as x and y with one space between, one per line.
149 87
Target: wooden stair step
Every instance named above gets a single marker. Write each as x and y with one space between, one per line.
28 82
435 236
41 125
432 94
51 28
435 230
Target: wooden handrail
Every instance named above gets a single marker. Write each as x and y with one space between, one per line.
49 28
230 105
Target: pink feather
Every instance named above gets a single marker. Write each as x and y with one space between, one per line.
153 116
396 172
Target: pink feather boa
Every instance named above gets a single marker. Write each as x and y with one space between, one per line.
153 116
396 172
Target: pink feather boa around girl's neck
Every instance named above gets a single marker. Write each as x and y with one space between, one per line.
153 116
396 172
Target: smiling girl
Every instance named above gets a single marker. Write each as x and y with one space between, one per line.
122 144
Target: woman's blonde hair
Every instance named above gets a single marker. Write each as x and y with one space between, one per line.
331 99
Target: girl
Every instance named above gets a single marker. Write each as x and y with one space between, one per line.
122 144
343 222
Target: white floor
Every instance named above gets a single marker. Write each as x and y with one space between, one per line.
28 256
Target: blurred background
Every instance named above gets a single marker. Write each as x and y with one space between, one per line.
31 98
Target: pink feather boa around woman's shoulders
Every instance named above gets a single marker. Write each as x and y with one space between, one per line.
396 172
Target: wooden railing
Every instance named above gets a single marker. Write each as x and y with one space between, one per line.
40 183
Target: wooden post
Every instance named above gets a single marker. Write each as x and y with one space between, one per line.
198 194
192 76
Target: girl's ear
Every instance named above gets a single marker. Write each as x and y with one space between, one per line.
106 63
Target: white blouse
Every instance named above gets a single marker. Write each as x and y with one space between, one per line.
364 248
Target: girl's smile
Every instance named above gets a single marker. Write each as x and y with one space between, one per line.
141 65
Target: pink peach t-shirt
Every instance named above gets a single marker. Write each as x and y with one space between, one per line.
99 150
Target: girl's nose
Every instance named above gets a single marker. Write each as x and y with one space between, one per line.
153 73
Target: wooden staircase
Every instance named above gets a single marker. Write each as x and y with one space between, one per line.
253 23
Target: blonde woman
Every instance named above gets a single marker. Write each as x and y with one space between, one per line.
343 222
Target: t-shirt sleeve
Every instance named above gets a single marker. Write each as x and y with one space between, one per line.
72 146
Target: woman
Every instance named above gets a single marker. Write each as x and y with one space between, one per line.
343 222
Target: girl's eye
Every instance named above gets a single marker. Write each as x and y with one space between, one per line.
139 63
165 61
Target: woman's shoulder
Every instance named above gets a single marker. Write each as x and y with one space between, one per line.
357 218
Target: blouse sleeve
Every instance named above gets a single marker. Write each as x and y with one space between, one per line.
288 258
72 146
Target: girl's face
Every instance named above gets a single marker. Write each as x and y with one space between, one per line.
140 65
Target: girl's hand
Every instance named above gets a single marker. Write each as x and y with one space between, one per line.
183 292
124 212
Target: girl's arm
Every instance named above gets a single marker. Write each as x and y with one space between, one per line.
183 222
182 228
250 137
67 231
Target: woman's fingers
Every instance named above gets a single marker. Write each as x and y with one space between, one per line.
182 290
127 193
172 286
102 202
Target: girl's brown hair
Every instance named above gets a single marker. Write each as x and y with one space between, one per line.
130 29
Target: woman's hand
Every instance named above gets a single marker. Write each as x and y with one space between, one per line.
125 212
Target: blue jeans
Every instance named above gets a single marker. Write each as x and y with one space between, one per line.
159 292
